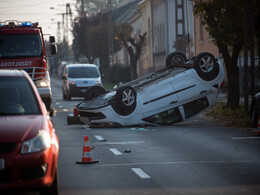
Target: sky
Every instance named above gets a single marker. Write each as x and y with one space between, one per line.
36 11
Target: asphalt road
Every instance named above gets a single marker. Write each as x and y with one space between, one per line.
194 157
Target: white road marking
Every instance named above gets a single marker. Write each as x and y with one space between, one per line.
180 163
57 103
120 143
60 106
241 138
115 151
140 173
65 110
98 137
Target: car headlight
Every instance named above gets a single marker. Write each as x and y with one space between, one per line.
36 144
43 83
72 82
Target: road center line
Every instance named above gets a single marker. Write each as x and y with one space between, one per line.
115 151
179 163
98 137
241 138
140 173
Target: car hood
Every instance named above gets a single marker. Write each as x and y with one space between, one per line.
20 128
98 102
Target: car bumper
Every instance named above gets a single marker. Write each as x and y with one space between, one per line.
34 170
75 91
44 91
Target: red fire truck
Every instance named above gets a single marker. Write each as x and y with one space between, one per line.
22 47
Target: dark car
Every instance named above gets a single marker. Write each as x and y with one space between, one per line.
254 110
29 146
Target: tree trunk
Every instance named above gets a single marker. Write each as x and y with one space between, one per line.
133 68
232 75
233 85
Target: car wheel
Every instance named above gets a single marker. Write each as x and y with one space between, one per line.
126 99
175 57
255 115
206 66
53 189
94 91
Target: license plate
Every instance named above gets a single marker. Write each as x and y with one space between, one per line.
83 90
85 119
2 163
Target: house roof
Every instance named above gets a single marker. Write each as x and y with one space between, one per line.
126 12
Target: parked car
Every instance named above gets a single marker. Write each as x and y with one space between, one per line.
77 78
29 146
254 110
173 94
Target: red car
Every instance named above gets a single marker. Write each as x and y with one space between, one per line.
29 146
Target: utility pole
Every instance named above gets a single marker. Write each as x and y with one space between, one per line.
110 33
245 54
252 49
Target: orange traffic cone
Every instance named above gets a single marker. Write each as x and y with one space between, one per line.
86 155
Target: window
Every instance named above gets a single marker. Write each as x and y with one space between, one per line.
17 97
22 45
83 72
165 118
195 107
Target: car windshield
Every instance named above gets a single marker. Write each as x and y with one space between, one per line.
20 45
17 97
83 72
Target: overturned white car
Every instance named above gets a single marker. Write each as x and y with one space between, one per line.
173 94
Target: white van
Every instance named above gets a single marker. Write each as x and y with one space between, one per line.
77 78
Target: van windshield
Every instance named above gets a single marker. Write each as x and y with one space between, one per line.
20 45
83 72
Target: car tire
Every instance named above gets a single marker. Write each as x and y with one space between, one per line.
206 66
126 100
53 189
175 57
94 91
255 115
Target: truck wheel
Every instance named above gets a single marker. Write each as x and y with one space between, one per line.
175 57
94 91
47 101
126 100
206 66
63 95
68 96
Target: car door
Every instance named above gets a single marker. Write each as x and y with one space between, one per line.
158 97
189 88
